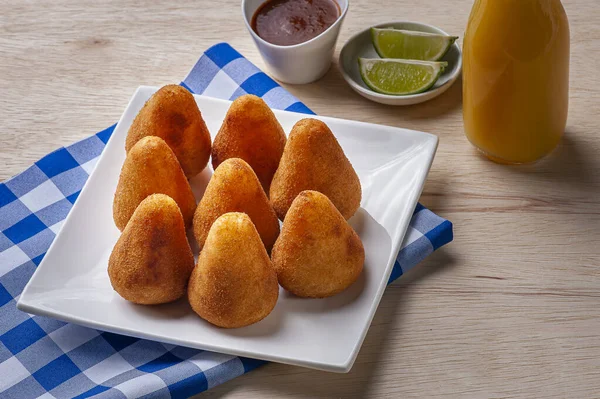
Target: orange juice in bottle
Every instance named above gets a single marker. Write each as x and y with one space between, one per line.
516 78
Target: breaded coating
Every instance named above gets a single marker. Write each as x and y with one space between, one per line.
318 254
234 187
314 160
151 167
234 283
152 260
251 132
173 115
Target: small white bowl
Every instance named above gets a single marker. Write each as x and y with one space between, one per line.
360 45
300 63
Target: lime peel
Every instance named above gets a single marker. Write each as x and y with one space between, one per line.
399 77
406 44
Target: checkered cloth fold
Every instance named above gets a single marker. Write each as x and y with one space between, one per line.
42 357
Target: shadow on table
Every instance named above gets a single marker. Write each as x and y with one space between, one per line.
564 184
568 172
299 382
570 165
333 86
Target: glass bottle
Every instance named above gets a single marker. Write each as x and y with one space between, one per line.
516 78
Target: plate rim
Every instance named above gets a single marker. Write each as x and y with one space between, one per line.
343 367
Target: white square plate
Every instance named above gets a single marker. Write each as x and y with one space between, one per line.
72 284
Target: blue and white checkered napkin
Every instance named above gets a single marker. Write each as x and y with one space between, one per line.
42 357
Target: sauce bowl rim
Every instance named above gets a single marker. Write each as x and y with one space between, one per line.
293 46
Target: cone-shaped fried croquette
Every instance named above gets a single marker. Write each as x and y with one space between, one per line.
151 167
251 132
234 187
152 260
234 283
173 115
317 254
314 160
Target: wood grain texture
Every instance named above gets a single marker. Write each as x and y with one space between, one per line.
510 309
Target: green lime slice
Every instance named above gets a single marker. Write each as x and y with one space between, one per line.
410 45
399 77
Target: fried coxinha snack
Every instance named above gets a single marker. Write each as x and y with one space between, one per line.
173 115
234 187
251 132
318 254
152 260
314 160
151 167
234 283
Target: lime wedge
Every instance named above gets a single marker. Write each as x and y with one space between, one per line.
410 45
399 77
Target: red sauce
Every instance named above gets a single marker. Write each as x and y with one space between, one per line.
289 22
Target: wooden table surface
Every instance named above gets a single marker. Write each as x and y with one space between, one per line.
510 309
